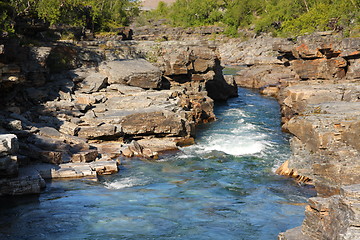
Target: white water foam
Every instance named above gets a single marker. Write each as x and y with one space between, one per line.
127 182
236 145
235 112
238 137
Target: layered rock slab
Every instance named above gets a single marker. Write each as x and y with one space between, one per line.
137 73
70 114
325 147
336 217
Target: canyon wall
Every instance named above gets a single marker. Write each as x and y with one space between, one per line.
316 81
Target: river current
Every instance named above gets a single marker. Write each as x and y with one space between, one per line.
223 187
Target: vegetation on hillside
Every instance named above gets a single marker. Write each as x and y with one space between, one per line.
281 17
97 15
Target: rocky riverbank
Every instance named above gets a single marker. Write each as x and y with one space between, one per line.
316 82
73 109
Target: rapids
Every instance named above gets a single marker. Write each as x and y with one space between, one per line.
223 187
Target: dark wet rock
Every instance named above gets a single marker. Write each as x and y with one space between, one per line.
28 181
8 166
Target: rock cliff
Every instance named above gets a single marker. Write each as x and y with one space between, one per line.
315 80
336 217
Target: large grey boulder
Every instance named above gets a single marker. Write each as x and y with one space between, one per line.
155 123
93 83
138 73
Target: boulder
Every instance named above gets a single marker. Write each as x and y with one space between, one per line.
85 156
109 148
8 144
260 76
51 157
350 48
93 83
320 68
353 70
101 131
155 123
104 167
317 45
69 128
137 73
124 89
136 149
159 144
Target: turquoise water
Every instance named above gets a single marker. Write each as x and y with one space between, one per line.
221 188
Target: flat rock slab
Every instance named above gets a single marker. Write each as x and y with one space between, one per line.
137 73
76 170
28 181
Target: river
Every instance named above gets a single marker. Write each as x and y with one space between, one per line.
224 187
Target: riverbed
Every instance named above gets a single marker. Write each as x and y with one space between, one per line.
223 187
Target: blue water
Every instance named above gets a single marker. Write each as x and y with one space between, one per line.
221 188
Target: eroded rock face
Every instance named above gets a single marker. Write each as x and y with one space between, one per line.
83 112
316 82
159 31
296 98
257 51
12 180
325 148
283 63
194 65
336 217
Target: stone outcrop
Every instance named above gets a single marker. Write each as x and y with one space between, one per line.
336 217
15 181
325 145
159 31
137 73
316 82
8 160
194 65
263 67
77 108
320 110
